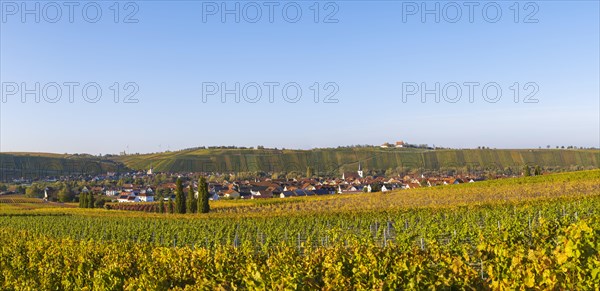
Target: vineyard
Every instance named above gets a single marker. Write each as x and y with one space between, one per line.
538 232
334 161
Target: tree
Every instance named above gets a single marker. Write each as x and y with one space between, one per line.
191 202
179 197
99 203
537 171
65 194
82 202
526 171
33 191
376 187
171 206
90 200
161 205
309 172
203 206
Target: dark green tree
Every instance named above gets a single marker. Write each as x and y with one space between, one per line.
99 203
161 205
90 200
191 202
179 197
82 202
171 206
376 187
526 171
537 171
203 206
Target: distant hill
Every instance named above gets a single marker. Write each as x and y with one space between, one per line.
334 161
322 161
31 165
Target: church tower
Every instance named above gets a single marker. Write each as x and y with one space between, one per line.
360 172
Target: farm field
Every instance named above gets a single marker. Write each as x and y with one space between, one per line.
536 232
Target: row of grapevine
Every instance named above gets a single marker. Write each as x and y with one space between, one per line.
402 227
571 261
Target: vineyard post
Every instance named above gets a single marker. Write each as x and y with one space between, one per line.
385 239
481 264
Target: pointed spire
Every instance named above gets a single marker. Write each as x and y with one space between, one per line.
360 171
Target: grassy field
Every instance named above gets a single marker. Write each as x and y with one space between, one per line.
535 232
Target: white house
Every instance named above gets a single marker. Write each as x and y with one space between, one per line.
231 194
123 198
145 197
112 192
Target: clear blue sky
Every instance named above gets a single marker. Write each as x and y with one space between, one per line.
369 53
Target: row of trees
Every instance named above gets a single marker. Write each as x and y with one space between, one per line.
537 170
86 200
191 204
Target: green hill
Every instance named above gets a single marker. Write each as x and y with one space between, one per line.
322 161
30 165
334 161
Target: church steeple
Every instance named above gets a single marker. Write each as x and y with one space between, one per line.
360 171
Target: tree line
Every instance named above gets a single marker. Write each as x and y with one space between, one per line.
190 203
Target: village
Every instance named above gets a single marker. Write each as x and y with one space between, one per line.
150 186
264 188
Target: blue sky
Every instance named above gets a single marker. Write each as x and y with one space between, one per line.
371 53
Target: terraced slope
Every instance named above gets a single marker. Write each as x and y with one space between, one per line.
347 159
